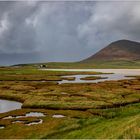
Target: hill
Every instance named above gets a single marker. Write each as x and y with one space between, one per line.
123 54
118 50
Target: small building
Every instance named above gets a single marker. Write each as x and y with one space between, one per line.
43 66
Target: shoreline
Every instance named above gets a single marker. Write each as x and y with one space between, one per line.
132 72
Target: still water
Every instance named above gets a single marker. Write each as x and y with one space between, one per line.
6 105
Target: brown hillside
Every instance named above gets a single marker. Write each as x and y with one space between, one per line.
119 50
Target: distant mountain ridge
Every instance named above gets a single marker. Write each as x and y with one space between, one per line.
118 50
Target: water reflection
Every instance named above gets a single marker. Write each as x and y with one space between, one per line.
6 105
104 77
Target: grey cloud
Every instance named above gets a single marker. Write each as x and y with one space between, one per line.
111 21
18 37
49 28
63 31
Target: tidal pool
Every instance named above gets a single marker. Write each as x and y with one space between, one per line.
40 121
1 127
30 114
6 105
104 77
58 116
118 74
36 122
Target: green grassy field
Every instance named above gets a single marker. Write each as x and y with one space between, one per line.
92 64
105 110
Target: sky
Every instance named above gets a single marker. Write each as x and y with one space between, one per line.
35 31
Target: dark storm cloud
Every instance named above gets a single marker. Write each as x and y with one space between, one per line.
111 21
16 35
33 31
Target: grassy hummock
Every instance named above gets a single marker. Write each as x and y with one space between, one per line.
93 78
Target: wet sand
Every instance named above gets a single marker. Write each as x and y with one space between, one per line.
117 71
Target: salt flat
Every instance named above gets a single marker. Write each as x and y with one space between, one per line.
126 72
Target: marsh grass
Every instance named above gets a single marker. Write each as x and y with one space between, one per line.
108 109
116 64
93 78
